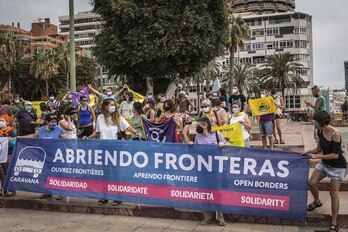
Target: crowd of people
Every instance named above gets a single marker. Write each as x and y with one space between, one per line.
118 116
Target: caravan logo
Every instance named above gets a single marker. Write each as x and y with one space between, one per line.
31 160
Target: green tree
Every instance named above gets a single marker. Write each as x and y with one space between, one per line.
44 66
156 38
11 53
280 71
238 32
63 56
244 77
86 71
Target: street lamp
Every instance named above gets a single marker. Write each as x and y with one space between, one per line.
72 48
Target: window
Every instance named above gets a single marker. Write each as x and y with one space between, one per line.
258 46
292 102
272 31
300 30
258 59
257 32
301 44
280 21
301 57
302 72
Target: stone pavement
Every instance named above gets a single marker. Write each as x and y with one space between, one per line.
32 220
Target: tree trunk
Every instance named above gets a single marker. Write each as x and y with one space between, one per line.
149 85
47 93
231 82
10 84
173 85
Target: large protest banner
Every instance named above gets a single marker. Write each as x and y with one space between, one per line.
205 177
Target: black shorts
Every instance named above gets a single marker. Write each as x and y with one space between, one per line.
86 131
277 116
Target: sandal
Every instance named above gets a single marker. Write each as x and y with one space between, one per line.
276 141
206 222
314 205
115 203
222 223
102 202
282 141
333 228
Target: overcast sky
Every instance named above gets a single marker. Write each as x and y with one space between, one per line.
330 29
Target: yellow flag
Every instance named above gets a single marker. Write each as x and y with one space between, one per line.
36 107
261 106
92 99
137 96
232 133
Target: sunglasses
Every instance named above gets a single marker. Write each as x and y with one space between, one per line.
205 106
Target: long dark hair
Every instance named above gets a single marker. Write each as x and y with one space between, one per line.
138 108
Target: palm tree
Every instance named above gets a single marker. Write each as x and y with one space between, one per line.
238 32
280 71
44 66
11 52
63 56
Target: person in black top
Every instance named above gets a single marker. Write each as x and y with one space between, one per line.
26 118
237 97
332 165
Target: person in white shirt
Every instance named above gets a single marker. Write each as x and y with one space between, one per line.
109 126
68 123
126 107
242 118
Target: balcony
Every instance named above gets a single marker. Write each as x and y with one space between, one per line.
237 2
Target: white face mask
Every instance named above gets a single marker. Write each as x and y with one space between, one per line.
235 110
206 110
263 95
234 91
51 98
109 93
3 125
17 101
28 108
112 109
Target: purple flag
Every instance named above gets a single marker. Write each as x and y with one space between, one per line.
163 132
76 96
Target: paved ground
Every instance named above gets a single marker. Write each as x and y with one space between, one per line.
30 220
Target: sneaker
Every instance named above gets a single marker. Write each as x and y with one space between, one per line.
115 203
45 196
102 202
59 198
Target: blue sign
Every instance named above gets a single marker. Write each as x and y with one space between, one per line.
204 177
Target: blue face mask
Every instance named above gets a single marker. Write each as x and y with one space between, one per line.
52 126
235 110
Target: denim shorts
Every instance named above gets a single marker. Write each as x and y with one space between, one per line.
331 172
266 128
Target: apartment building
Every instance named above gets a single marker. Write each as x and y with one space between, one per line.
336 98
86 27
259 7
346 74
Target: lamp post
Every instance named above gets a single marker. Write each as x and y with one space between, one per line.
72 47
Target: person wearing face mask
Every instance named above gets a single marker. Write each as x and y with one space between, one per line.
126 106
86 117
279 102
159 105
109 92
149 110
332 165
205 135
7 131
266 126
222 116
17 104
207 111
183 103
52 99
26 118
237 96
109 125
319 105
49 131
243 119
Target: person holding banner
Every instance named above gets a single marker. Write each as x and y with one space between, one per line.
109 126
243 119
6 131
332 165
266 126
205 135
149 109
